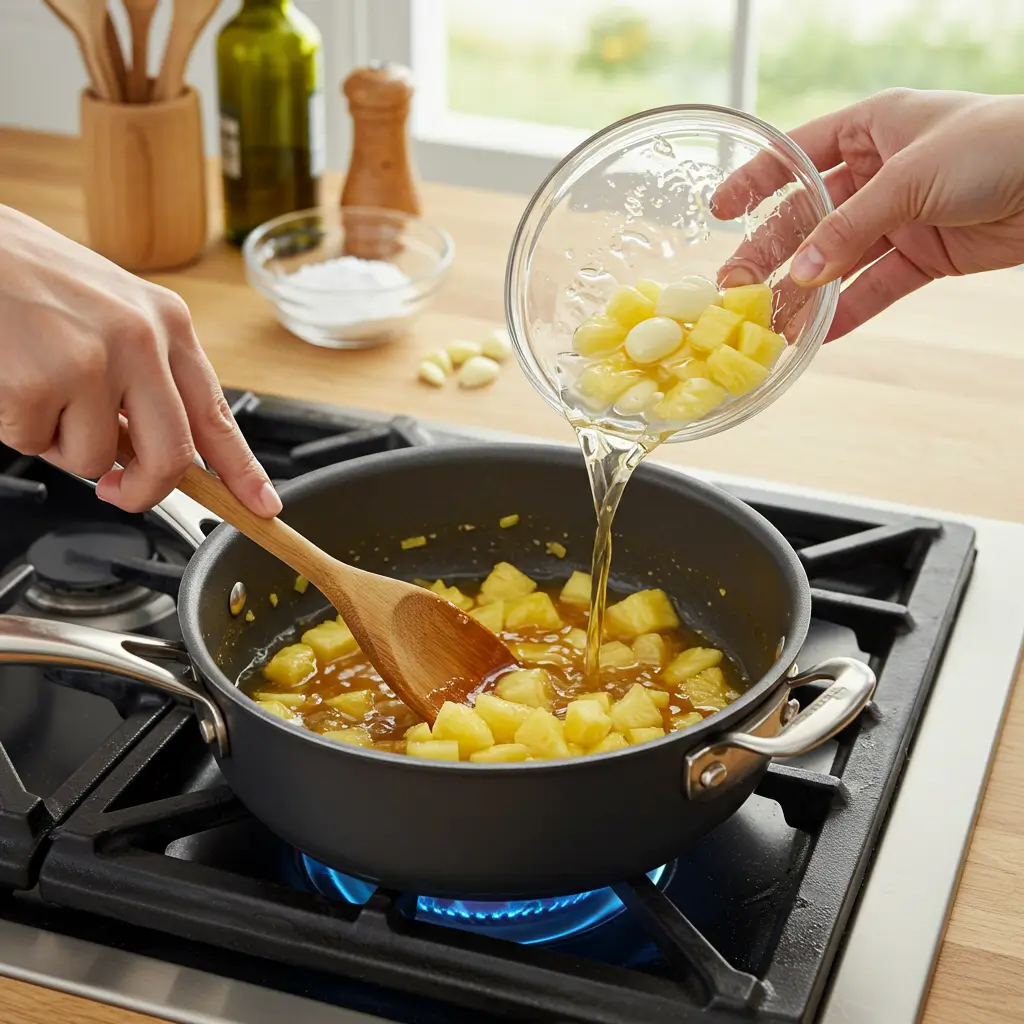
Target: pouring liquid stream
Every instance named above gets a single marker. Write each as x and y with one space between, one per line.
610 461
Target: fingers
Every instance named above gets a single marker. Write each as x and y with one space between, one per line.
160 435
30 410
840 241
878 287
86 441
216 433
765 173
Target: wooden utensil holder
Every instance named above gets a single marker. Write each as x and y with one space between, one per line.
145 181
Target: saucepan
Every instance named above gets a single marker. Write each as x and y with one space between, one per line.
469 830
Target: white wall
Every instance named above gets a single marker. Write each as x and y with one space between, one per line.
41 72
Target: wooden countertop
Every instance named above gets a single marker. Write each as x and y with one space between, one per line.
925 405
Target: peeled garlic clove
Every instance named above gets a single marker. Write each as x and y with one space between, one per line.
441 359
432 374
653 339
498 346
478 371
636 398
687 299
460 351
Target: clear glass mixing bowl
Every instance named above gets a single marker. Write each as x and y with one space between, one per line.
635 201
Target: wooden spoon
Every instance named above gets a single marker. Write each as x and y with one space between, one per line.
87 19
427 650
140 14
116 58
190 17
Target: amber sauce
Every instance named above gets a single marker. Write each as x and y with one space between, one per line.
561 658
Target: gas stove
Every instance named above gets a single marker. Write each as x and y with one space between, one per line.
130 873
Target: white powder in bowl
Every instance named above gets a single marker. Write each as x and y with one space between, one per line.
358 299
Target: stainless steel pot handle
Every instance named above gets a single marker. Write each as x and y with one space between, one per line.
781 732
178 511
40 641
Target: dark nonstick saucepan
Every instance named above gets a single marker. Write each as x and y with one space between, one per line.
489 831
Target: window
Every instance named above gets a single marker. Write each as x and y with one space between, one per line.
504 90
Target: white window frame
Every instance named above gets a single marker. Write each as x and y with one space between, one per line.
479 151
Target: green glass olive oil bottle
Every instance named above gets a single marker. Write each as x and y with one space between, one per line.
270 84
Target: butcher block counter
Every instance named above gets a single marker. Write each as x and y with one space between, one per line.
924 406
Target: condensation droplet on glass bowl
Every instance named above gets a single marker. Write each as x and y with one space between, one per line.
635 238
569 254
662 146
591 273
633 206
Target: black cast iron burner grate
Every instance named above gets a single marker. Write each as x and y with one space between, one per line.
749 929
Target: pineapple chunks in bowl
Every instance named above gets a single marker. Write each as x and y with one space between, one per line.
657 677
662 357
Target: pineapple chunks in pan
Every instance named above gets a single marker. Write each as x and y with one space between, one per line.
654 682
675 353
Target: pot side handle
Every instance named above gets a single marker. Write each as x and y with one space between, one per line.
26 641
778 733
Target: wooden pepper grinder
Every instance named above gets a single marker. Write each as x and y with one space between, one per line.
380 171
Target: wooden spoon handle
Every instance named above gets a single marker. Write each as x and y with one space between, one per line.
273 535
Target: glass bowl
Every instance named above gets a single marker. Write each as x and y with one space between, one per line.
394 264
634 202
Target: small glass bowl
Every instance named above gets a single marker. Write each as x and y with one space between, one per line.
635 201
378 308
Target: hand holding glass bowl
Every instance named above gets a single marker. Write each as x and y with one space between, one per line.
676 205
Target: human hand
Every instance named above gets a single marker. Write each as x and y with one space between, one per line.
925 185
81 340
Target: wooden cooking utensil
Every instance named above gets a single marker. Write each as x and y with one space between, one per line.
116 58
190 18
427 650
140 14
87 19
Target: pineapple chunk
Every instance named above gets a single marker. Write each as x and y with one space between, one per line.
586 722
684 367
661 698
650 732
539 654
602 697
418 733
575 750
691 718
291 666
613 741
635 710
355 736
599 336
576 590
330 640
289 700
601 385
542 734
434 750
275 707
356 704
715 327
753 302
490 615
689 663
452 595
649 649
629 306
646 611
505 583
762 346
577 638
465 726
501 753
503 717
649 289
690 400
737 373
708 689
530 686
616 654
536 609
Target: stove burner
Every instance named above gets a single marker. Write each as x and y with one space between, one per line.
528 922
73 569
